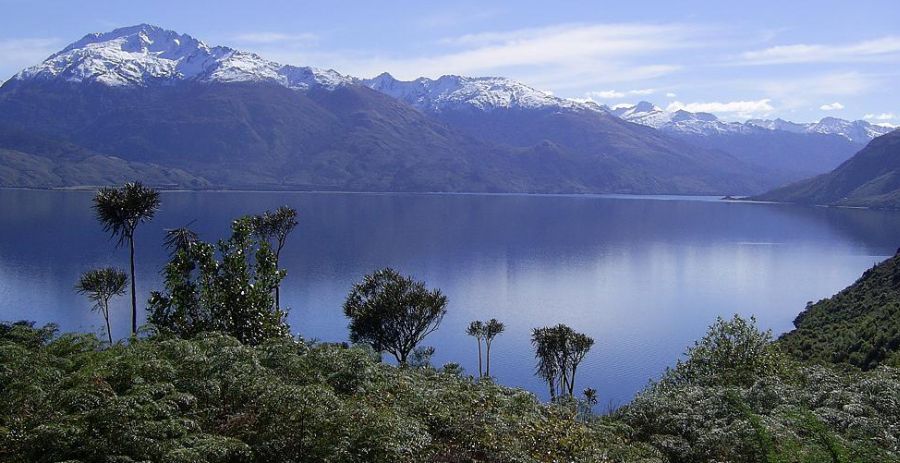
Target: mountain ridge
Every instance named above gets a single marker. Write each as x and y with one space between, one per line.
236 120
871 178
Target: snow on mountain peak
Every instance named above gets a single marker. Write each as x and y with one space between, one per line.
706 124
145 55
458 92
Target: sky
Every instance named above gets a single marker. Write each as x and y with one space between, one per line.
795 59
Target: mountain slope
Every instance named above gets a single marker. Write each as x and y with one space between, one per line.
626 157
236 120
31 161
870 178
860 325
790 150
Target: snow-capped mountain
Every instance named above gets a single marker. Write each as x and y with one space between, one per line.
860 131
483 93
644 113
705 124
146 55
778 124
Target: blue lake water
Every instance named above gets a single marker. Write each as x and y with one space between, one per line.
644 276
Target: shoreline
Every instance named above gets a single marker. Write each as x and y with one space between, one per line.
645 196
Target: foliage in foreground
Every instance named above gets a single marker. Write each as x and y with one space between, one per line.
213 399
736 398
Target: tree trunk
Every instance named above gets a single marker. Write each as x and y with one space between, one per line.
106 316
487 370
133 291
480 373
572 382
278 286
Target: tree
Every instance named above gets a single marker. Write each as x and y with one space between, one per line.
226 287
275 227
393 313
733 352
491 329
121 210
100 285
485 331
559 350
180 239
476 330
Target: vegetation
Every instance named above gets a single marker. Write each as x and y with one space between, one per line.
476 330
859 326
559 350
228 291
485 331
121 210
214 399
393 313
100 285
735 399
274 227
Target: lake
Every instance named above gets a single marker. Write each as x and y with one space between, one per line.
644 276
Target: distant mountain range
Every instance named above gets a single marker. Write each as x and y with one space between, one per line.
145 102
706 124
792 150
871 178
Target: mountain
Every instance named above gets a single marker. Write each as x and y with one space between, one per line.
39 162
450 93
793 151
870 178
146 55
684 122
626 156
860 325
159 99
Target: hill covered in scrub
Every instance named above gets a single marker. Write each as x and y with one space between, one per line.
213 399
859 325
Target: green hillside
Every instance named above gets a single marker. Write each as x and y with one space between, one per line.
859 325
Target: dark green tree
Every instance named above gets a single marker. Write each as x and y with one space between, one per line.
476 330
121 210
275 227
491 329
226 287
485 331
100 285
180 239
393 313
559 351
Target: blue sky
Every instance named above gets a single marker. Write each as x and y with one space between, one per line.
800 60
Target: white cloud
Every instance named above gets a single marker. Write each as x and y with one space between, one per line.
607 94
809 53
880 117
17 54
831 106
737 108
671 95
612 94
561 57
266 38
805 91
